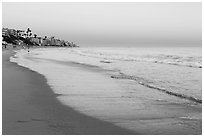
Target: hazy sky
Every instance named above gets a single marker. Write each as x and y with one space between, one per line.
109 23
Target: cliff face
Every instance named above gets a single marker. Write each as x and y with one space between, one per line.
18 40
11 39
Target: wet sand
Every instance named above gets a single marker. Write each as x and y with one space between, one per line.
29 106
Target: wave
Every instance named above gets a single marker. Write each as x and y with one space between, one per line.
189 61
149 84
178 60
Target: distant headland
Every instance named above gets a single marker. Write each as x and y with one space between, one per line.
28 38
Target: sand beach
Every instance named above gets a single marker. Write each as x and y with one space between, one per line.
50 95
29 106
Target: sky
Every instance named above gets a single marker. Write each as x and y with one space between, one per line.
116 23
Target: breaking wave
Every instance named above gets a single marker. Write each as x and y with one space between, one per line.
187 61
149 84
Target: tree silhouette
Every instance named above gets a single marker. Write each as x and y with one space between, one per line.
28 32
18 31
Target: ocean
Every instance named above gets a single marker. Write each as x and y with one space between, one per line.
153 90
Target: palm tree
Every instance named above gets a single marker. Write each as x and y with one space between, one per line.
18 31
28 31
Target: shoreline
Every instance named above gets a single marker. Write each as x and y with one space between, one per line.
28 110
155 117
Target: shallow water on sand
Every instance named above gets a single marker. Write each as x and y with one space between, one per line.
84 82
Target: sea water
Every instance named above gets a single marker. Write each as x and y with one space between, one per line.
153 90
